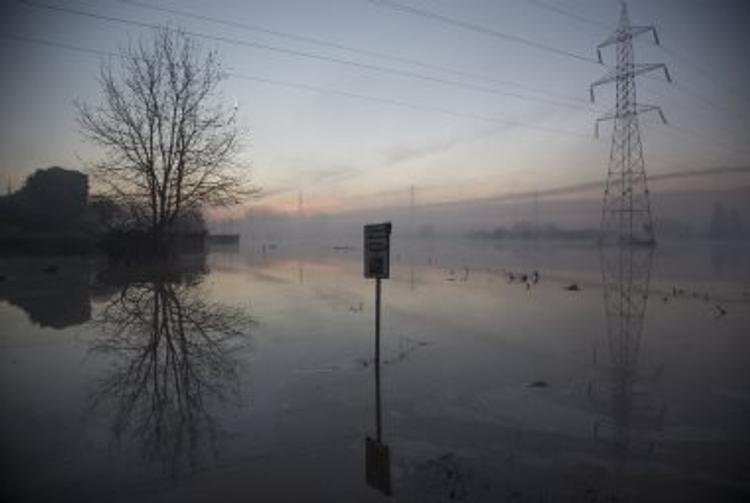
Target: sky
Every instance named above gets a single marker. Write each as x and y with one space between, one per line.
351 102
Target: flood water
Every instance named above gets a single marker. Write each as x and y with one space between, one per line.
250 375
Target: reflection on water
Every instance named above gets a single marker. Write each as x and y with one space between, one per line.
630 412
52 296
172 355
377 452
486 383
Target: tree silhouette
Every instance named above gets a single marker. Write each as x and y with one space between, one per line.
174 359
170 143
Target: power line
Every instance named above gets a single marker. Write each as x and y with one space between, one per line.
536 3
309 55
408 9
325 90
411 106
572 15
363 97
404 104
58 45
698 69
564 190
293 52
356 50
543 5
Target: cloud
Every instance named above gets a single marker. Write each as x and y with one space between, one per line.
305 173
408 152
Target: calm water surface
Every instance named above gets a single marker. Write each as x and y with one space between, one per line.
250 375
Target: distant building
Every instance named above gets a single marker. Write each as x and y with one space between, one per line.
49 200
65 189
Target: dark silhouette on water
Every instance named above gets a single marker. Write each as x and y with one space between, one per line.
52 295
173 360
377 453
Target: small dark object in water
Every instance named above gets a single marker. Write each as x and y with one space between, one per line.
573 287
223 239
665 299
2 278
51 269
537 384
535 277
720 311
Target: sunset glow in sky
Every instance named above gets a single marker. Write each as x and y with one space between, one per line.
352 101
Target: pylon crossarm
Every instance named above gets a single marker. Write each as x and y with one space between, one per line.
642 109
641 68
611 76
606 117
638 69
624 33
639 30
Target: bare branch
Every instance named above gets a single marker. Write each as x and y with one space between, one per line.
170 145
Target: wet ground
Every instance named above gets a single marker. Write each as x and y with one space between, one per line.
507 372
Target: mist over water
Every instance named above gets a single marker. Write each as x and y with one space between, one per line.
421 251
250 371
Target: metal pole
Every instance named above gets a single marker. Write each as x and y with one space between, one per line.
377 358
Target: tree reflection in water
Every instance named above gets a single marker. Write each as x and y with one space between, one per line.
175 358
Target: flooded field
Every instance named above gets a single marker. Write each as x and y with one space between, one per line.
507 372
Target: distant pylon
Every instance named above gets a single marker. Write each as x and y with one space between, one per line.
411 209
626 210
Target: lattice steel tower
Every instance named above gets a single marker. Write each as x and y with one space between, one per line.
626 210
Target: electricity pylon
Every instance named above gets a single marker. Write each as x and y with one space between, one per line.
626 210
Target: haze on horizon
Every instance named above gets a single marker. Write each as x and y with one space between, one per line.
352 102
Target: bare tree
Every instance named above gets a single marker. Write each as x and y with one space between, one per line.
176 361
170 142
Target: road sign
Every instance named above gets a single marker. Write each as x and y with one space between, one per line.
377 250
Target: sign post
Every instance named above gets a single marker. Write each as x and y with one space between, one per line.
377 265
